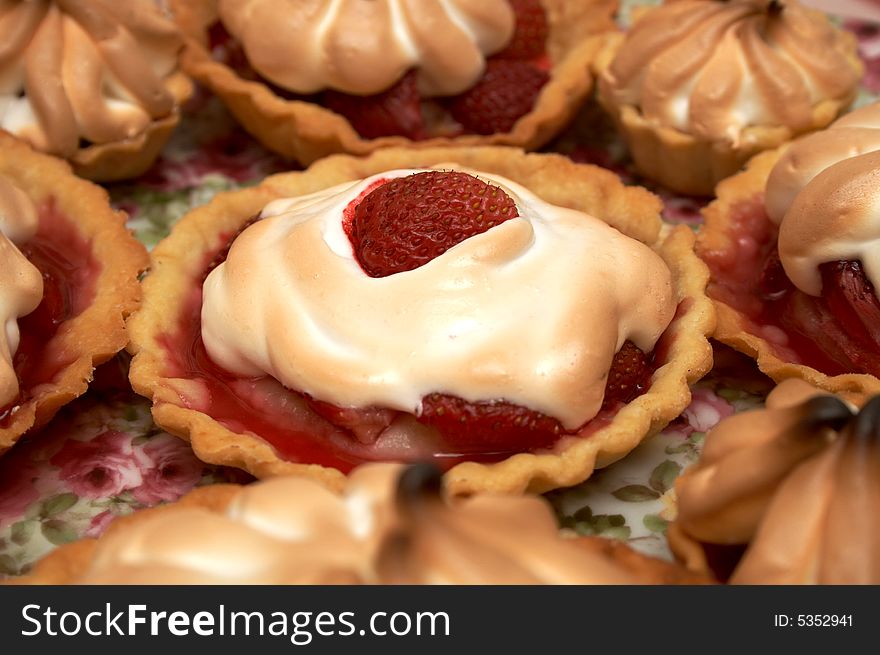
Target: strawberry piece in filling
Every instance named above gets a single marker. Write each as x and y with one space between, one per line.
70 273
530 34
506 92
836 333
393 228
394 112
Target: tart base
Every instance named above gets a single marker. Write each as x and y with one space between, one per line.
733 326
97 333
176 267
306 132
122 160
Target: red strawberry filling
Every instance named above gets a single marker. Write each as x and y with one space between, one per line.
69 271
393 228
507 90
836 333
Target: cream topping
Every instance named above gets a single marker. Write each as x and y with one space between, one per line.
363 47
713 69
788 480
21 284
823 194
387 528
93 70
531 311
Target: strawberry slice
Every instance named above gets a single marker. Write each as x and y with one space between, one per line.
408 221
394 112
506 92
530 34
366 423
850 296
831 328
488 426
629 375
494 426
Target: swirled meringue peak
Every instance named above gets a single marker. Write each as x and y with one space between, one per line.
823 194
798 482
84 70
389 526
363 47
531 311
21 284
712 68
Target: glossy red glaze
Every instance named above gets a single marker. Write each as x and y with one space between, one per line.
800 328
70 273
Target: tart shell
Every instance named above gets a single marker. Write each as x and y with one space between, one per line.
733 326
97 333
686 164
633 211
306 131
65 564
122 160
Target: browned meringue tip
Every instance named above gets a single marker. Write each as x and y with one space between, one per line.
305 132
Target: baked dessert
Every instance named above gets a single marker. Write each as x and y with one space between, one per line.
390 526
774 496
789 243
315 79
365 314
93 82
68 279
697 87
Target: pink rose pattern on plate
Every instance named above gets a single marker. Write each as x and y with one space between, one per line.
103 457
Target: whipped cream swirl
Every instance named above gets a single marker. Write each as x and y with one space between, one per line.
21 284
531 311
363 48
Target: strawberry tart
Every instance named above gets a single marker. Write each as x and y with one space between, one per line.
68 280
390 525
308 79
516 319
95 82
791 246
699 86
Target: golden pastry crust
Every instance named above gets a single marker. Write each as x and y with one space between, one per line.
305 131
732 325
122 160
96 334
66 564
691 165
556 179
